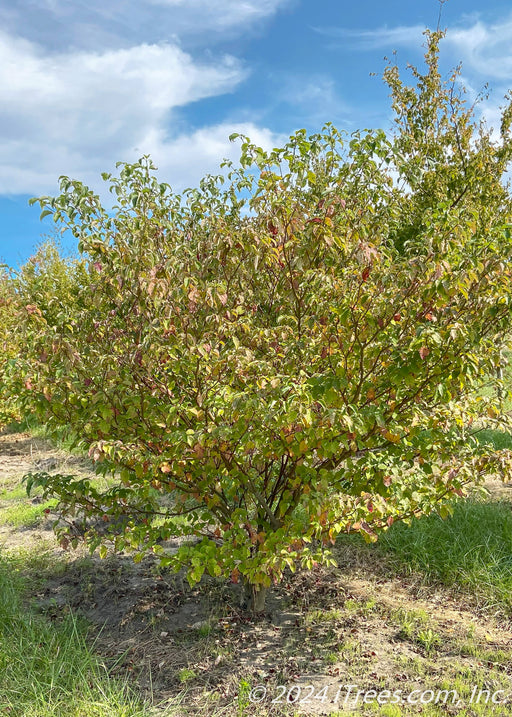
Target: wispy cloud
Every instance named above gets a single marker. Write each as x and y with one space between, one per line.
315 99
484 48
222 13
383 37
93 24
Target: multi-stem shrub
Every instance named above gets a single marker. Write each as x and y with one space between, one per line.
269 362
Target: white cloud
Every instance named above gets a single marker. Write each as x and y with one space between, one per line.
181 161
77 113
159 76
185 159
86 83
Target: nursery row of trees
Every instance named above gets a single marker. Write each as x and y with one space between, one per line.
293 350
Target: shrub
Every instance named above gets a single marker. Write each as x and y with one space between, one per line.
295 353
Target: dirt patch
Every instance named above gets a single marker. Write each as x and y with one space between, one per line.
499 490
17 453
22 452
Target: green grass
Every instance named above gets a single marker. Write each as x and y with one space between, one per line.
471 549
26 514
46 667
498 439
186 674
19 492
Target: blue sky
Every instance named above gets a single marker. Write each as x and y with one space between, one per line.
86 83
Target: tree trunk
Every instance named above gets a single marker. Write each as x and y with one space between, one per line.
253 598
258 595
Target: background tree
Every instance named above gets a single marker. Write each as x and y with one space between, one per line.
267 363
43 294
9 346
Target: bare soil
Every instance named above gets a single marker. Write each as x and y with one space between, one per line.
196 647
